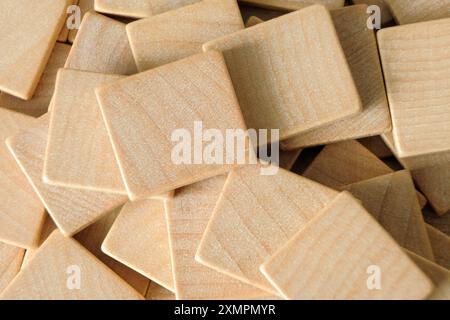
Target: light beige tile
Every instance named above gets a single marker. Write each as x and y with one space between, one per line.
440 244
418 10
85 6
293 4
10 261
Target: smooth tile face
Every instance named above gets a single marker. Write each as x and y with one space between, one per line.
419 10
440 243
360 48
293 4
414 59
10 261
180 33
102 46
254 217
85 6
331 256
272 67
139 239
71 209
23 57
146 129
46 275
21 211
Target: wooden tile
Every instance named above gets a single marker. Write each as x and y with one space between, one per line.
440 244
47 228
71 209
360 48
139 8
156 292
273 100
10 261
64 33
386 15
47 275
23 57
167 98
414 59
21 211
377 146
392 200
256 215
329 259
101 46
293 4
147 250
180 33
419 10
85 6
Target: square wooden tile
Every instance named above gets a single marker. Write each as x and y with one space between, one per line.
272 67
440 244
71 209
29 32
10 261
293 4
181 33
406 12
46 277
360 48
85 6
329 259
414 59
165 99
102 46
254 216
21 212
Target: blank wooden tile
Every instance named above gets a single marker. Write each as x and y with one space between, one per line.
255 216
392 200
167 98
85 6
360 48
272 67
21 211
414 59
293 4
419 10
139 239
180 33
440 244
10 261
329 259
71 209
29 32
386 16
102 46
46 276
156 292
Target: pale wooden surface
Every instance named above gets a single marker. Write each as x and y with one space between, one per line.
38 105
415 64
85 6
10 262
418 10
165 99
272 99
156 292
102 46
377 146
180 33
360 48
139 239
386 15
392 200
71 209
64 33
256 215
45 276
23 57
21 212
47 228
329 258
293 4
79 152
440 243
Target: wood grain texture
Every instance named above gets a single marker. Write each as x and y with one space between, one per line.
329 258
180 33
271 67
293 4
377 146
139 239
156 292
23 57
419 10
415 64
386 15
85 6
46 276
165 99
21 212
392 200
102 46
254 216
360 49
440 243
71 209
10 262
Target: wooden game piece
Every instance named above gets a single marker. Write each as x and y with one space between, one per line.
84 7
293 4
157 292
377 146
440 244
386 16
419 10
10 261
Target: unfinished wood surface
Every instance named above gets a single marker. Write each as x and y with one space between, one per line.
102 46
392 200
47 228
157 292
293 4
10 262
377 146
440 243
272 67
38 105
177 96
180 33
85 6
71 209
418 10
139 239
58 262
254 216
330 258
415 64
386 15
21 211
29 32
